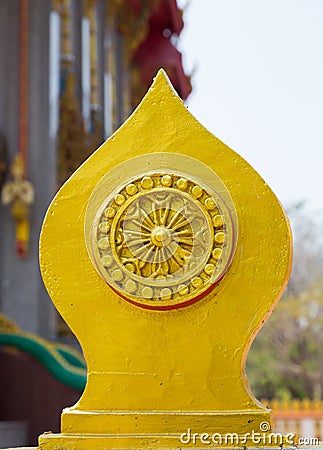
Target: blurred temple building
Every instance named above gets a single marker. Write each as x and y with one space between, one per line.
71 72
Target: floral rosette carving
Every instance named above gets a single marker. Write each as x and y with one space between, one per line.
162 239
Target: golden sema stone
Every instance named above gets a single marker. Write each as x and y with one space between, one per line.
167 305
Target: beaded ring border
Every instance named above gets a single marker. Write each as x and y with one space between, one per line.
162 239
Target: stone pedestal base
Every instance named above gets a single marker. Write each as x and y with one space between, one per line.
110 442
85 430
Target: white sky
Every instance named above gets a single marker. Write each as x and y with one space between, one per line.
258 86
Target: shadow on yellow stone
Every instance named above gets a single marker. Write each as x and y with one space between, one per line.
165 252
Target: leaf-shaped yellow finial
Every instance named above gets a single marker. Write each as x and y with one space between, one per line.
164 252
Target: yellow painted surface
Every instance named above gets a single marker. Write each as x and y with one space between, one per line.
152 374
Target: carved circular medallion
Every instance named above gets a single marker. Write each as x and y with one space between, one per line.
162 238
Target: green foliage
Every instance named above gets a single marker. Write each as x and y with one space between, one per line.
286 359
